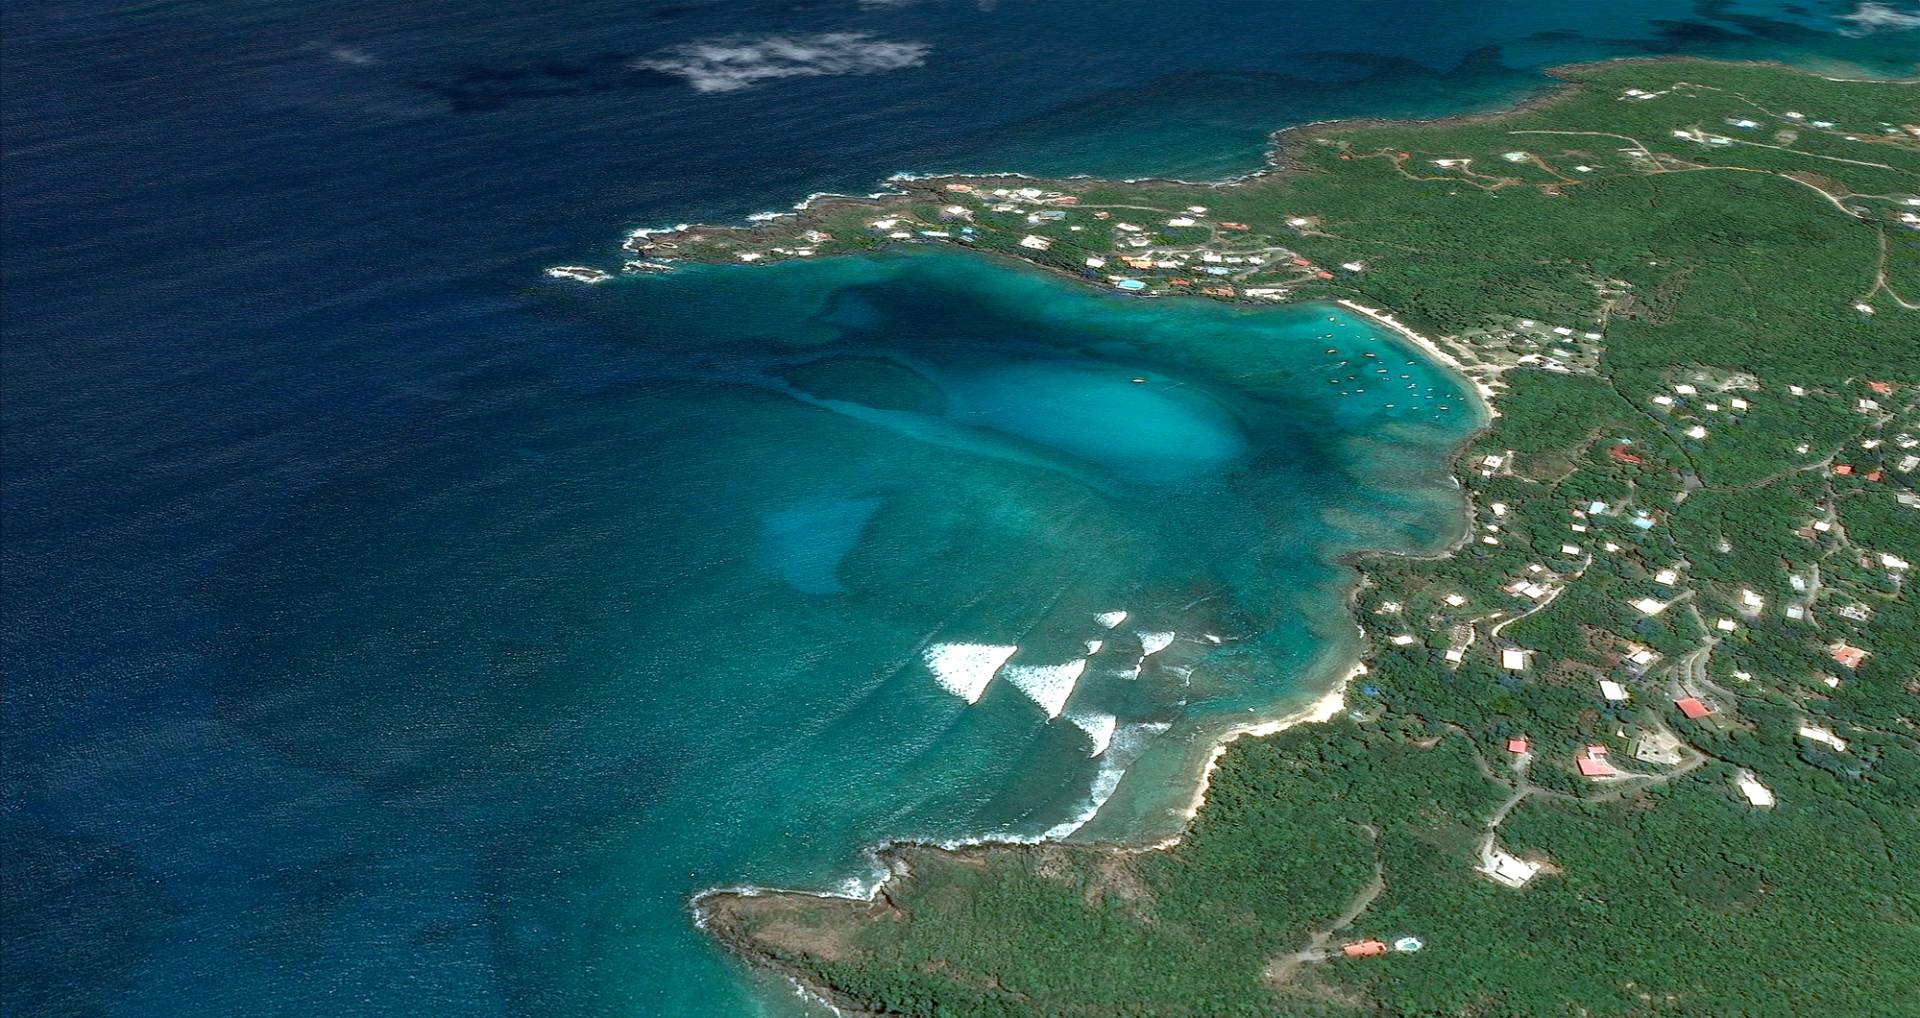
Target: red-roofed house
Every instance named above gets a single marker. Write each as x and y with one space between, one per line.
1516 745
1594 767
1620 454
1692 708
1842 469
1847 655
1874 475
1881 388
1364 949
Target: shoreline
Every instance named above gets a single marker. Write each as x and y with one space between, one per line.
1488 388
1279 143
1276 159
719 911
891 859
1319 711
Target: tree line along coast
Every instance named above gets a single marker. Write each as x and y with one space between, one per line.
1644 741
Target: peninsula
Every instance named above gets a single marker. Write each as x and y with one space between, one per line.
1645 742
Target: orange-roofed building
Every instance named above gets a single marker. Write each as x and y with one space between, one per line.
1842 469
1595 767
1364 949
1620 454
1516 745
1847 655
1693 708
1881 388
1875 475
1235 226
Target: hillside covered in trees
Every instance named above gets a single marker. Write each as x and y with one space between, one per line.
1644 742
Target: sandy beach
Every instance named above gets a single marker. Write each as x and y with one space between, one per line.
1320 710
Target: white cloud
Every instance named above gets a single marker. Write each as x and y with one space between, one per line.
725 65
1873 17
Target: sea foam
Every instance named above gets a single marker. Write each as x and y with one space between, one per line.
1109 620
1093 646
965 669
1153 643
1048 685
1099 728
1128 744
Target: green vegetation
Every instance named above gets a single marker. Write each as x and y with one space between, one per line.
1698 299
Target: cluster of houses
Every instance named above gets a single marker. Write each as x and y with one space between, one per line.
1562 349
1685 405
1147 256
1694 406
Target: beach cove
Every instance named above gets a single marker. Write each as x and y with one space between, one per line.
1197 921
392 630
1235 617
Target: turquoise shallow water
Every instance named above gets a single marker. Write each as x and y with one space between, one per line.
759 571
389 630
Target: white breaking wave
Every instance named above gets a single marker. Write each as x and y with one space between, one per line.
1129 742
1093 646
1872 17
965 669
1048 685
730 64
1099 727
1153 643
863 886
1108 620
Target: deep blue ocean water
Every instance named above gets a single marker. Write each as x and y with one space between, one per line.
389 630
